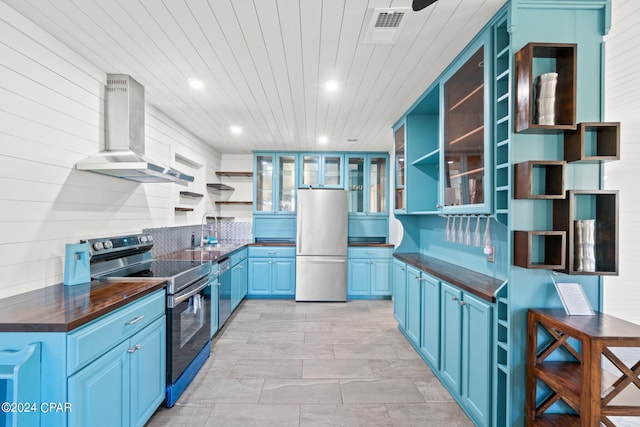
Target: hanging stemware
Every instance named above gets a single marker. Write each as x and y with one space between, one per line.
460 237
447 230
452 231
467 231
487 234
477 236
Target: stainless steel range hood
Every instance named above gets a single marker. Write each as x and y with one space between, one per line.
124 154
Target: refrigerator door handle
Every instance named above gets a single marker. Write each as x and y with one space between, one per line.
299 239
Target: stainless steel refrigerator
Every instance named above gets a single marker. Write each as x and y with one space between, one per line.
321 245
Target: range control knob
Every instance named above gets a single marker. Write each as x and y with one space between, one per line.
107 244
98 246
149 238
143 239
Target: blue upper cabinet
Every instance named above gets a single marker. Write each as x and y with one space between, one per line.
321 170
274 199
275 183
443 143
465 125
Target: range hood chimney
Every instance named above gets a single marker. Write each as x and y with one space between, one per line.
124 154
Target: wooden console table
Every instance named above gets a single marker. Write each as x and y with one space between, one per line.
581 383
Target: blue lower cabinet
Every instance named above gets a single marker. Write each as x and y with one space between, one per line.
239 282
430 324
400 293
369 272
272 272
452 330
124 386
414 285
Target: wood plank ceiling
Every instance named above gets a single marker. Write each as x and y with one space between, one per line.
264 63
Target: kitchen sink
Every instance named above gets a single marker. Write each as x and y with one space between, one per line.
207 248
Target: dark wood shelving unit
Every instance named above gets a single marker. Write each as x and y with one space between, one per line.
181 209
592 142
235 174
220 186
540 249
233 202
539 179
191 194
600 205
578 379
564 57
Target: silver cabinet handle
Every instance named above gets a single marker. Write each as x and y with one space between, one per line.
402 268
454 298
463 303
134 348
241 267
134 321
271 253
371 253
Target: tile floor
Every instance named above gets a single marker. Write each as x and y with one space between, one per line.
283 363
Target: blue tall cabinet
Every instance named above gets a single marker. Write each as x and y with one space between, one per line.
455 157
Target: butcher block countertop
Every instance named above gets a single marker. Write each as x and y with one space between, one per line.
480 285
61 308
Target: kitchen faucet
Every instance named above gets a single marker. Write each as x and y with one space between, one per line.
203 242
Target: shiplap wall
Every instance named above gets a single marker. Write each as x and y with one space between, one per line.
622 103
51 116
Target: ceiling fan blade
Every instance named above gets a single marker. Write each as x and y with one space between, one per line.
421 4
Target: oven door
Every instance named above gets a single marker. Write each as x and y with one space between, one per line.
188 326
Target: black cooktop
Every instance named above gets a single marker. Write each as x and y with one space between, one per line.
164 269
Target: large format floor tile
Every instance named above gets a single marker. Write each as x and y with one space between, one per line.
278 362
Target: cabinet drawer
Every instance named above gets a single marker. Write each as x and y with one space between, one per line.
238 256
369 252
96 338
272 251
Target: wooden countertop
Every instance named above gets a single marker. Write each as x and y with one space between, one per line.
61 308
479 284
599 325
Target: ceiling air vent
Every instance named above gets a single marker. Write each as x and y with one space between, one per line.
384 25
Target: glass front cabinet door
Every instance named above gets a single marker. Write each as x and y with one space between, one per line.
321 170
399 198
466 136
275 183
367 183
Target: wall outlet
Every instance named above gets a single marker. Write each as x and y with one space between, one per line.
490 251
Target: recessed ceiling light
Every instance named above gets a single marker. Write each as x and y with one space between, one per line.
331 86
196 84
236 130
323 139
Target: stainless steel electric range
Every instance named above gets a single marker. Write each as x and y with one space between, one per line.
188 300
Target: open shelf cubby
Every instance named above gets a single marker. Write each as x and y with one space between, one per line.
533 60
592 142
539 249
539 179
600 206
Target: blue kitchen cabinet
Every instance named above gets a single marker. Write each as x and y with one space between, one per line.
125 384
215 305
321 170
466 350
272 272
239 278
430 324
414 288
100 391
369 272
400 292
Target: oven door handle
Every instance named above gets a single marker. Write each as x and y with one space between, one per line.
179 298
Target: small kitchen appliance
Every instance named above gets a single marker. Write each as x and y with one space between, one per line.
188 300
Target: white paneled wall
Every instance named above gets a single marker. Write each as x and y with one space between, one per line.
622 103
51 116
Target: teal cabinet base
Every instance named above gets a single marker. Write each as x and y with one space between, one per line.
258 296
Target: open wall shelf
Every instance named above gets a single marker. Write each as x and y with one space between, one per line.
592 142
540 179
533 60
220 187
233 174
191 194
598 205
539 249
